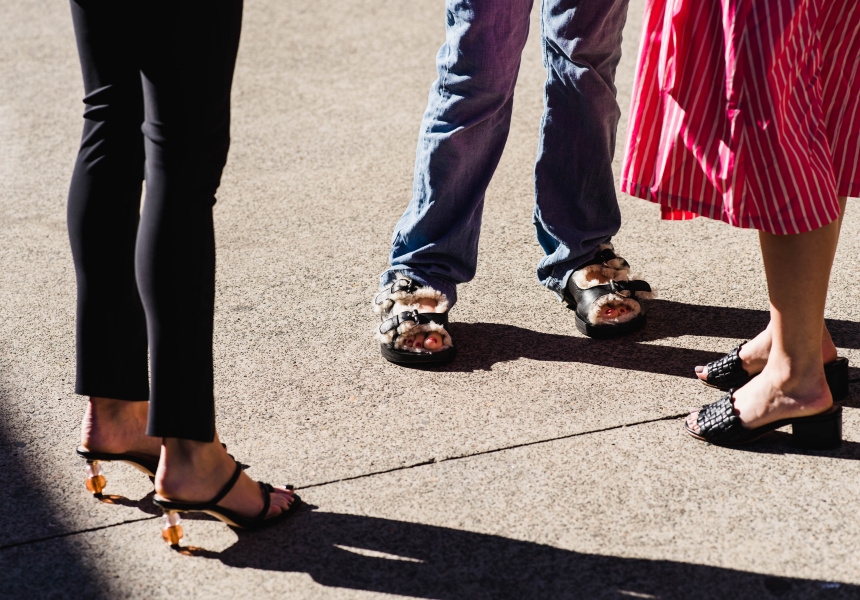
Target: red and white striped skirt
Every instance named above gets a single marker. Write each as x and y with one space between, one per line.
747 111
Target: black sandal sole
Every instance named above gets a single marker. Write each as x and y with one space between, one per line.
602 332
403 357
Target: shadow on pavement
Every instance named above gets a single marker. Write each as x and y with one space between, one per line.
510 342
28 514
411 559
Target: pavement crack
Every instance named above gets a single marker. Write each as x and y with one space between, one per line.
71 533
422 463
491 451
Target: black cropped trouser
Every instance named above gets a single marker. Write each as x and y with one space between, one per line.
157 77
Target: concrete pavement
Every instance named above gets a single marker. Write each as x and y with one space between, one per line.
540 464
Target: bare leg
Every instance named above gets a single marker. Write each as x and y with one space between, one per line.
754 353
792 382
118 426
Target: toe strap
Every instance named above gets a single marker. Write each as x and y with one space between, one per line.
266 489
588 302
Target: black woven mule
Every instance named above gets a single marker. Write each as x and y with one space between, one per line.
728 372
719 425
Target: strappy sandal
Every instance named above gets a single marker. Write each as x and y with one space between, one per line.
728 372
400 319
172 531
95 481
719 425
588 297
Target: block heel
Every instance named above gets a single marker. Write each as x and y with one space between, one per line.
836 373
818 432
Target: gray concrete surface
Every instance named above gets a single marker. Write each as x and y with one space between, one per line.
540 464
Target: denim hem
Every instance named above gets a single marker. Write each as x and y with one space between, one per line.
446 287
557 281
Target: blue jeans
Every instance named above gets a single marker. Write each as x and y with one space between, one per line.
466 125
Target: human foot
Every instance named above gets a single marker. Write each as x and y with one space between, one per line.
752 357
191 472
414 325
768 402
118 427
604 296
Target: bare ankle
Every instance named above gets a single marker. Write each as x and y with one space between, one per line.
192 470
113 425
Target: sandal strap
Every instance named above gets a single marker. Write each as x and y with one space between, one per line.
227 486
718 422
636 285
412 316
581 300
398 285
728 371
266 489
604 256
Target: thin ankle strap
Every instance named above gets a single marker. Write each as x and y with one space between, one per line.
228 486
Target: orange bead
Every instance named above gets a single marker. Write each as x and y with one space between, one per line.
172 535
96 484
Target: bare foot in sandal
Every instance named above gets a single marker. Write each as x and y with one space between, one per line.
423 340
605 297
414 323
191 471
753 354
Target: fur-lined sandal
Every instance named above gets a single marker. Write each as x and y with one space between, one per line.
718 424
414 330
728 372
604 298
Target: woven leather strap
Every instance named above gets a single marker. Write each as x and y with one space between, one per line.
719 424
727 371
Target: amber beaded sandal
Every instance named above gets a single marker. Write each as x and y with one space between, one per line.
95 481
95 475
172 530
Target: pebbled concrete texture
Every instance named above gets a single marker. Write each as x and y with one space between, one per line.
539 464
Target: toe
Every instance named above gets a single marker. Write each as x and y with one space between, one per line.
282 500
433 342
418 341
692 421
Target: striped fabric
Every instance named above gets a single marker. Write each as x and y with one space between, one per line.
747 111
